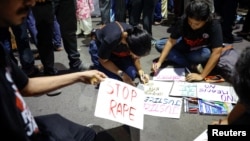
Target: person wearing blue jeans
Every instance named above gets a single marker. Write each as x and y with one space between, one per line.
116 51
197 40
56 40
178 55
23 47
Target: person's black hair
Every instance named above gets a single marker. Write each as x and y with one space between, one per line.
139 41
241 77
198 10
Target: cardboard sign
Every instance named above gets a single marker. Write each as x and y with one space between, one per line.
163 106
186 89
170 74
215 92
120 102
157 88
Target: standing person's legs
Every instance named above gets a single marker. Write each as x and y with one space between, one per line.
31 25
135 9
157 13
43 14
164 9
57 39
148 14
227 10
87 26
105 6
65 11
120 10
24 50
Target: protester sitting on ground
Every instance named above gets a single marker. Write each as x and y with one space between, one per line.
116 51
16 120
195 43
240 113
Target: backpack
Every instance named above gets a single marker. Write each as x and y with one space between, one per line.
226 63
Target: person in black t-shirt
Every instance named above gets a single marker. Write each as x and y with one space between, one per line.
16 120
116 51
196 40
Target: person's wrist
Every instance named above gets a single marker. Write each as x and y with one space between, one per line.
140 72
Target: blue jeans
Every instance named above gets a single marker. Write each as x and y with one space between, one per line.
126 64
24 50
31 25
181 55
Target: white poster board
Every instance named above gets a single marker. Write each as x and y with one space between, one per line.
182 88
157 101
163 106
170 74
157 88
120 102
215 92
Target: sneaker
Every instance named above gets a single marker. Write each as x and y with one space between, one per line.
96 128
54 93
153 42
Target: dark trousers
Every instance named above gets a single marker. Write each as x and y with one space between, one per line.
227 10
105 6
44 16
144 7
120 10
23 46
126 64
57 128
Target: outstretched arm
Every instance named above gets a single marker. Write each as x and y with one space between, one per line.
41 85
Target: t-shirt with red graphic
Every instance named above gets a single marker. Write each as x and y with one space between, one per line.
209 35
16 121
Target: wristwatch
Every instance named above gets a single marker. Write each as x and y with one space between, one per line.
120 73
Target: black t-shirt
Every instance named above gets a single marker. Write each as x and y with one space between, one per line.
16 121
210 34
109 38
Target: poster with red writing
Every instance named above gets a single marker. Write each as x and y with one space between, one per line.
120 102
170 74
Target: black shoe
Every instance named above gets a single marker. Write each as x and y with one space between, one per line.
50 72
82 67
237 39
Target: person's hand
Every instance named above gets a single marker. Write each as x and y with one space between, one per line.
155 66
220 122
143 77
93 77
194 77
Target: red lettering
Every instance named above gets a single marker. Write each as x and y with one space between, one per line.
121 109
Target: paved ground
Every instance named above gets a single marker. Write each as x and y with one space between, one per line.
77 103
